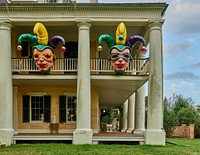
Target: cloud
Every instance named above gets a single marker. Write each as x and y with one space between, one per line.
181 17
182 87
174 88
196 65
176 47
187 84
181 75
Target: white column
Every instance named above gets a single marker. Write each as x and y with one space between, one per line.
155 134
124 116
140 104
83 133
6 128
140 111
131 114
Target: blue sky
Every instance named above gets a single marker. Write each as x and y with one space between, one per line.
181 46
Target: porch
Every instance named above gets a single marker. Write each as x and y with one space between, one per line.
69 65
101 137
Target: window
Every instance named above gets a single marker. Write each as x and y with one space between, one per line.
36 108
67 108
26 50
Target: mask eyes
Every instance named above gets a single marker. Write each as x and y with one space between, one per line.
45 56
115 56
48 56
36 56
127 56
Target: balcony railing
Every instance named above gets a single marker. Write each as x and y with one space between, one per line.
97 66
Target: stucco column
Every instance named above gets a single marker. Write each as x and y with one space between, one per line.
83 133
124 116
131 114
140 104
155 134
6 119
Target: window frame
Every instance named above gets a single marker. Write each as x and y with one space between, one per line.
30 108
66 108
27 109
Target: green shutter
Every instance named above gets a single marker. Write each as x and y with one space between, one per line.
26 110
47 108
62 109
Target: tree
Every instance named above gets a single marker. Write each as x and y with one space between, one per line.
179 110
178 102
170 119
187 115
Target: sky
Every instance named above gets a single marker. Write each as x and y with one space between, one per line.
181 46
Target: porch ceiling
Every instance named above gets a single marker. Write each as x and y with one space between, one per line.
113 90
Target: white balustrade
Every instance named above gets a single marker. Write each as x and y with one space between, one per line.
136 66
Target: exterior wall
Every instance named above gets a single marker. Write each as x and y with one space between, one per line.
55 92
185 131
95 110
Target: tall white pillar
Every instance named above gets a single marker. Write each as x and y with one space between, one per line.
140 111
83 133
155 134
6 128
124 116
140 104
131 114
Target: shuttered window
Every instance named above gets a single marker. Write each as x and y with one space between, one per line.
36 108
67 108
26 109
62 108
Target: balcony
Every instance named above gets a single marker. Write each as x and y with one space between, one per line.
69 66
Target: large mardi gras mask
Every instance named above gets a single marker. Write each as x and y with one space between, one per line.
120 49
43 50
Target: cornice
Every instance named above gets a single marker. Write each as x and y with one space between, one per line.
84 7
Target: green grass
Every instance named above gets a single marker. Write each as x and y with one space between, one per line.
179 146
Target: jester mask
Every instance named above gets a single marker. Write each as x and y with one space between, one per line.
43 50
120 48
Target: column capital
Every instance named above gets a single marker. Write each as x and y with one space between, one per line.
83 23
155 24
5 24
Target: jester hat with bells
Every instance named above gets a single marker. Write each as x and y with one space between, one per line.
120 43
41 43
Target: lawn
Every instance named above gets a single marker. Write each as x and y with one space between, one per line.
175 146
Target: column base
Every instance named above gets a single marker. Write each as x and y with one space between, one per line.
155 137
6 136
82 136
123 130
139 131
129 130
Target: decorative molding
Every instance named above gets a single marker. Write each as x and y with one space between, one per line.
78 7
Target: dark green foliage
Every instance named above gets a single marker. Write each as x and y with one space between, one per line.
170 119
179 110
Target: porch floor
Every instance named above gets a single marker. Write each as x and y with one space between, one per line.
97 137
